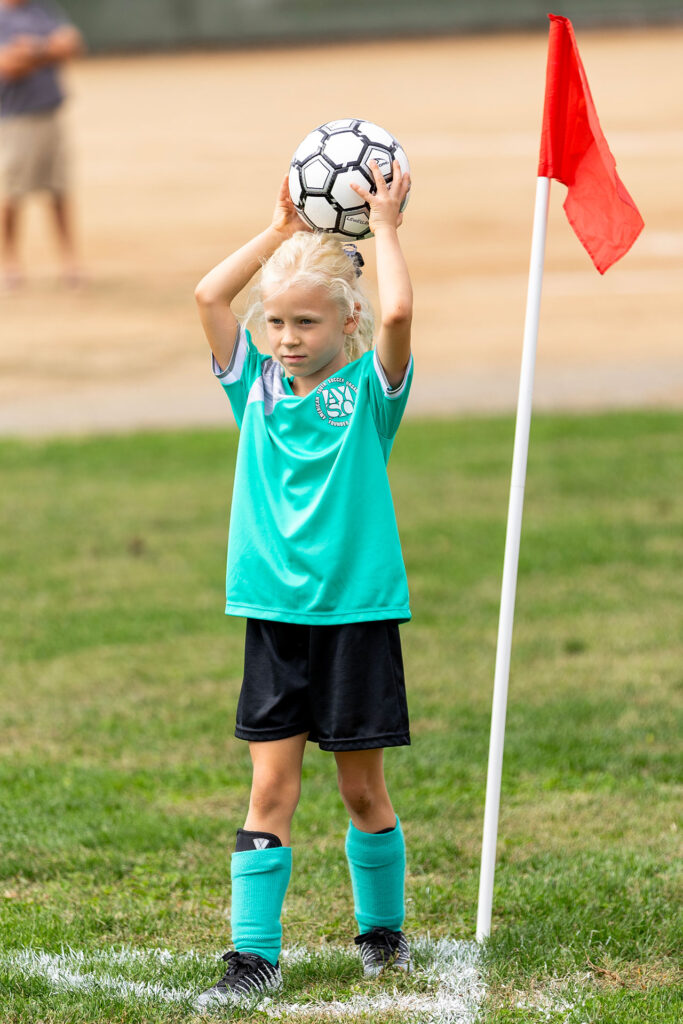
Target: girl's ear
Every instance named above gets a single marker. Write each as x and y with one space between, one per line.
351 322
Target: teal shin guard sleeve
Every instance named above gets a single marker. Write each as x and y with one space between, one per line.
259 883
378 865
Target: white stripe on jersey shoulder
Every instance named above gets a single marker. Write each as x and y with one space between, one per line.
386 386
269 387
233 371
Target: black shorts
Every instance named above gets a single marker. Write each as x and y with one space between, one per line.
344 685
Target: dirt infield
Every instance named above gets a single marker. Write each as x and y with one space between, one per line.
177 161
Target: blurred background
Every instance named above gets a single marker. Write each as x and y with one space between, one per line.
163 23
182 119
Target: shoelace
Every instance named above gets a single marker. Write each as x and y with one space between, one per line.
379 936
240 963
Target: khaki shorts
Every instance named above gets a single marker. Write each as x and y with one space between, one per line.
32 154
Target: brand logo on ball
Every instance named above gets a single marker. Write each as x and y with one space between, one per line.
335 400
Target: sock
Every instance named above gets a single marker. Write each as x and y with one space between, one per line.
377 862
259 883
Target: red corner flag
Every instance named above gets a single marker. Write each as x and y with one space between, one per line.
574 151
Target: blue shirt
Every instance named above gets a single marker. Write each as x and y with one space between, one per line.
313 535
39 91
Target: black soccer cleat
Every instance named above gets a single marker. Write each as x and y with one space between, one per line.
381 949
247 975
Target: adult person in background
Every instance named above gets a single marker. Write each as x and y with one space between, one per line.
35 39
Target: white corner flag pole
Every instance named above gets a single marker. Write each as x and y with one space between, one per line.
511 561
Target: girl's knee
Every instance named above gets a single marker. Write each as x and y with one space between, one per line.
361 794
272 792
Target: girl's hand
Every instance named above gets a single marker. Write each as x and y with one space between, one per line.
286 220
385 203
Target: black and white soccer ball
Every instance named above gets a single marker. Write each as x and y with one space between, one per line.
325 164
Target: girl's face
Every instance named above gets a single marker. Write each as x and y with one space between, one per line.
306 331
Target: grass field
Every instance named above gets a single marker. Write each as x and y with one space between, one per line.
121 785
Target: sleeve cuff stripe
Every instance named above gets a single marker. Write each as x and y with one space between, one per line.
233 371
386 387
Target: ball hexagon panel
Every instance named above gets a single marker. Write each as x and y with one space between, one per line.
295 185
344 122
341 190
383 158
343 148
374 133
399 155
310 145
320 213
354 223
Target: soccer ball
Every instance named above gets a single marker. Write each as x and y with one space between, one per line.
325 164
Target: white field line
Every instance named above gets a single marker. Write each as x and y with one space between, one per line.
61 970
451 970
561 995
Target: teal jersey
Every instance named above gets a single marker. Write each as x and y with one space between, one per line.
313 536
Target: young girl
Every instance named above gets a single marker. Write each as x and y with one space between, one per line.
314 562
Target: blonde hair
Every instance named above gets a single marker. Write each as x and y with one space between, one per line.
314 260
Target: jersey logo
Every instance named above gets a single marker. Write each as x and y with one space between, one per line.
335 399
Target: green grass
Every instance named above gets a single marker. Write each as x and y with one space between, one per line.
121 784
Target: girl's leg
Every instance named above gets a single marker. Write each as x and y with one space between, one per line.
360 774
375 847
275 785
260 874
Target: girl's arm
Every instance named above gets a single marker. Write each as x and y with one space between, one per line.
393 280
216 291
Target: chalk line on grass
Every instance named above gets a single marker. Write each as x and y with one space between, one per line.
450 969
61 970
